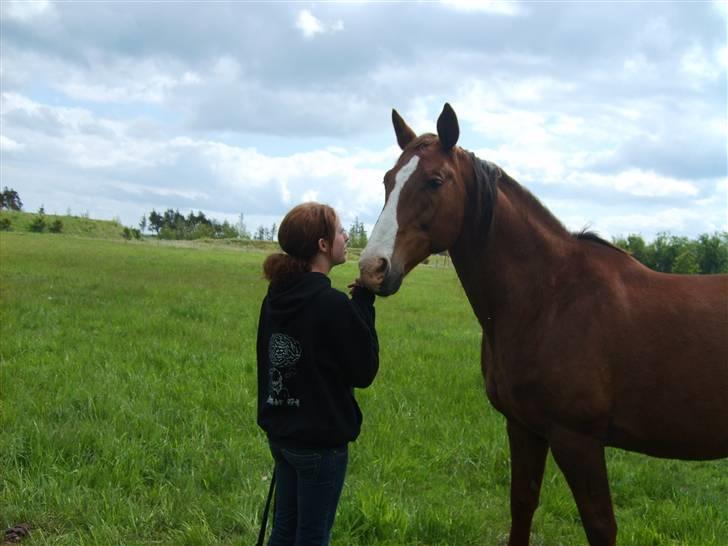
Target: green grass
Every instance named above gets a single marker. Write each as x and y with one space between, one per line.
127 400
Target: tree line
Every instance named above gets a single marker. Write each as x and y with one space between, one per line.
172 224
672 254
706 254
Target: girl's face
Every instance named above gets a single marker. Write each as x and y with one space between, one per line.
341 240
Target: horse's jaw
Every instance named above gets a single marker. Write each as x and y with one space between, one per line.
390 285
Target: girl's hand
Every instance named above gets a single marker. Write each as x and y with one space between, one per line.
352 286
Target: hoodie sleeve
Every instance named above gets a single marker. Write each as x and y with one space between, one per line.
355 337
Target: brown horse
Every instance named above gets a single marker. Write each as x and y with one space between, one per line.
583 347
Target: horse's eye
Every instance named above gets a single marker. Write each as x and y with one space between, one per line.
434 183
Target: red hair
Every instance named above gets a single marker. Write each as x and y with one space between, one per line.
298 236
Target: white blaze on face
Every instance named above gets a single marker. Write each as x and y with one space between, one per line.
381 243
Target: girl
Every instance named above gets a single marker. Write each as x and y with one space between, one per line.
314 346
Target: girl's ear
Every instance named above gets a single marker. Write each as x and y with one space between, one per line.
323 245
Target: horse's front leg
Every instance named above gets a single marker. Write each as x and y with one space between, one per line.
581 459
528 457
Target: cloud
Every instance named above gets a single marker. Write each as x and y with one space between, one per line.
722 7
638 183
310 26
497 7
25 11
697 63
182 172
156 89
120 102
9 145
674 220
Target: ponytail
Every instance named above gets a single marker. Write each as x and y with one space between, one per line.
282 269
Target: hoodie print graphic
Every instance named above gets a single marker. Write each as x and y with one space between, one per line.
283 351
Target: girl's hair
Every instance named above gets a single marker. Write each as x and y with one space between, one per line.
298 236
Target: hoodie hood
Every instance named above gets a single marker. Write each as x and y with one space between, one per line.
284 304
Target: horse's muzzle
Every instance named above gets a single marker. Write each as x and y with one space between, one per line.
378 275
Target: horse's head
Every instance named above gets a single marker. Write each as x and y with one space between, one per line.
424 204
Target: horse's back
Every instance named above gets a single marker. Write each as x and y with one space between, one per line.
670 371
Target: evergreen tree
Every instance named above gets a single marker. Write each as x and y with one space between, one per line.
9 199
357 234
155 221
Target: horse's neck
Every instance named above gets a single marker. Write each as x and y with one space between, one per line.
509 271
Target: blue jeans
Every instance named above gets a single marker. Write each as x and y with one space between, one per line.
308 487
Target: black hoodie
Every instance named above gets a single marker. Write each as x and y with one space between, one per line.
314 346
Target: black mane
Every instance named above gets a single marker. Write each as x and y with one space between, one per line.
486 178
585 235
488 174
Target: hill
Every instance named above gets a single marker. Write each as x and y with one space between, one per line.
72 225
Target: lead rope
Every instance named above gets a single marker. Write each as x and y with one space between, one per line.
264 523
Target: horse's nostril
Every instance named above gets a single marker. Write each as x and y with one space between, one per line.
382 268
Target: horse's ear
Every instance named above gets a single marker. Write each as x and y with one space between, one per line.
405 135
447 127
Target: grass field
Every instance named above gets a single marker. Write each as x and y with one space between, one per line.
127 392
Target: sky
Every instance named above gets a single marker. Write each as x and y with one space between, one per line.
614 114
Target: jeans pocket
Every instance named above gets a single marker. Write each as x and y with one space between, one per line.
307 463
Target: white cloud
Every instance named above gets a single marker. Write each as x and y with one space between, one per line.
310 26
129 80
638 66
140 189
638 183
349 179
498 7
226 69
697 63
722 57
674 220
15 101
9 145
722 7
657 34
75 136
26 10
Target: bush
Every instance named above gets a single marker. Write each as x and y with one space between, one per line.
38 225
56 226
6 224
203 231
168 233
129 233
